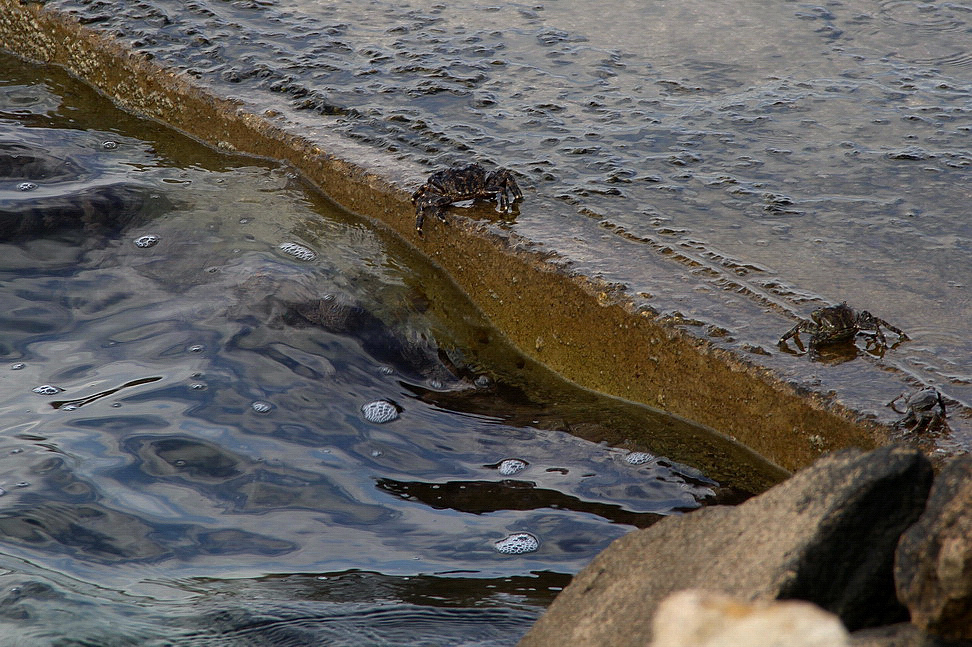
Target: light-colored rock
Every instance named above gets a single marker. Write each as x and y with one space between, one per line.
826 535
696 618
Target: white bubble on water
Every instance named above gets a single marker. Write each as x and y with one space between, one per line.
149 240
196 348
109 145
299 252
380 411
46 389
483 382
261 407
18 366
26 186
638 458
511 466
517 544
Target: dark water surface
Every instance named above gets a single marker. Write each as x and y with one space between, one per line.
187 340
734 165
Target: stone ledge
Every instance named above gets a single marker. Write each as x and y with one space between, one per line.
578 327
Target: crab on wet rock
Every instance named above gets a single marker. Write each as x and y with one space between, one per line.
470 182
841 323
924 409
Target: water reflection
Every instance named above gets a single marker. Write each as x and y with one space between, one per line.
345 608
196 410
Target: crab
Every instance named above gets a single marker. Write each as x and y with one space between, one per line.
924 409
470 182
840 323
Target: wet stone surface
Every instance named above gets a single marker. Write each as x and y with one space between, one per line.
734 167
214 412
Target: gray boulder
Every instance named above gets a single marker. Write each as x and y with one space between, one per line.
933 570
827 535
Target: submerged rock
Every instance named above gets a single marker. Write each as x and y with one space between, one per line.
276 294
827 536
19 161
698 618
933 569
95 210
70 199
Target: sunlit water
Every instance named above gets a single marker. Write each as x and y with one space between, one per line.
734 165
233 415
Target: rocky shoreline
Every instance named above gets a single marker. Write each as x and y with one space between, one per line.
859 549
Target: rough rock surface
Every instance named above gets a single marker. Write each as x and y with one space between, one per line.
698 618
827 535
903 634
933 569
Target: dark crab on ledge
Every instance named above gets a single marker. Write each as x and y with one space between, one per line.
840 323
924 409
470 182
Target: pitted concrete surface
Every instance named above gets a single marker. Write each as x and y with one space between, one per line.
658 309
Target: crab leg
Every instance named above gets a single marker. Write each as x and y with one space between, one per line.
792 331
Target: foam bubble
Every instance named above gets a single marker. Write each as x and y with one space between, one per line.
483 382
638 458
46 389
109 145
150 240
517 544
261 407
380 411
299 252
26 186
511 466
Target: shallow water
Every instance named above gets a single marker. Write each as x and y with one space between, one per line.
734 166
187 455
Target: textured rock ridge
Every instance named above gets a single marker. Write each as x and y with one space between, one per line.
933 570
